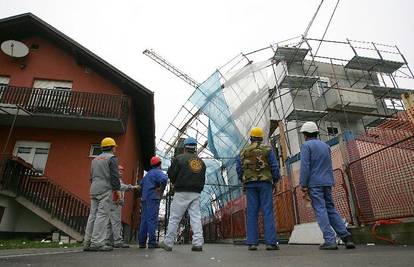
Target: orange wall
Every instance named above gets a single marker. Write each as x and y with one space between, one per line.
50 62
68 161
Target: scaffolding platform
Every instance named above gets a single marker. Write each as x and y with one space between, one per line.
306 115
375 122
298 81
290 54
392 92
373 64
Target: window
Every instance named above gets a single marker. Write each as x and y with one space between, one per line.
35 153
95 150
332 131
323 85
4 81
56 101
1 212
52 84
394 104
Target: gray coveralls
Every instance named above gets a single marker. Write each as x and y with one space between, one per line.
104 178
114 228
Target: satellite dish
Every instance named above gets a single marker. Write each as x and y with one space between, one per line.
14 48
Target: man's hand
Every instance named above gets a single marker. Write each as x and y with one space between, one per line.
158 191
136 187
304 189
274 187
305 194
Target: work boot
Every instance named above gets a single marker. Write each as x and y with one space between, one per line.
325 246
101 248
272 247
252 247
86 246
349 244
197 248
151 246
121 245
165 247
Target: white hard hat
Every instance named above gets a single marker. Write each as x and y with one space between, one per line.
309 127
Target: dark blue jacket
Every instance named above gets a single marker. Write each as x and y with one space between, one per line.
153 179
315 164
273 164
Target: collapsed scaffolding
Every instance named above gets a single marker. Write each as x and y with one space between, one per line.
278 88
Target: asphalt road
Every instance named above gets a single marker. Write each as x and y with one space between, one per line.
214 255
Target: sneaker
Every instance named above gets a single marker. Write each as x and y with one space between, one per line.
101 248
121 245
272 247
197 248
325 246
165 247
349 244
142 246
252 247
151 246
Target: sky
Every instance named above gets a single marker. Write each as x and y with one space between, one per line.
200 36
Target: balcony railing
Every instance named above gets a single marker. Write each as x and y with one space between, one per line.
66 102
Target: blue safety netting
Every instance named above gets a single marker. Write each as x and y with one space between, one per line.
232 102
231 114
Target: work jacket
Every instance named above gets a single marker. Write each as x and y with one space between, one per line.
257 163
188 173
155 178
315 164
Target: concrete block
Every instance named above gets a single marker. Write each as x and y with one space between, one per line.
306 233
64 239
55 237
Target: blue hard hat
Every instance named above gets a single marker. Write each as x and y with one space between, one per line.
190 141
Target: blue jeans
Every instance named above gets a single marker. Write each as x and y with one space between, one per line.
326 214
260 196
149 221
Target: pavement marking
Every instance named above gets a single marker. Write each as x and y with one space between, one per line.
39 254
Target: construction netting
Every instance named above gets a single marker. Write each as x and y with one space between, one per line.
234 102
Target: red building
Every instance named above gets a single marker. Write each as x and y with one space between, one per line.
56 104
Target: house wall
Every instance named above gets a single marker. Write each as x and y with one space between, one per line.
16 218
68 162
51 62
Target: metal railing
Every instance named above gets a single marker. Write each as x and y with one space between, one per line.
66 102
18 177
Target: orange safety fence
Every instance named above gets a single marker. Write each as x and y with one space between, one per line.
339 194
380 174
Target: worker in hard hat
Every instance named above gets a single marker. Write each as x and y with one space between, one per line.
114 227
316 180
188 174
104 179
152 187
258 170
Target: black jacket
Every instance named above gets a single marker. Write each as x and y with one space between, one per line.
188 173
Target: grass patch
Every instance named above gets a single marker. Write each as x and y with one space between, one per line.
24 243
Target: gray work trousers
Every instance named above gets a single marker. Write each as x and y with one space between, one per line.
114 228
181 202
95 232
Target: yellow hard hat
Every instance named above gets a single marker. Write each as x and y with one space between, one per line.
108 141
257 132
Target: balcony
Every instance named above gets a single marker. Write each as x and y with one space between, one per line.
63 109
